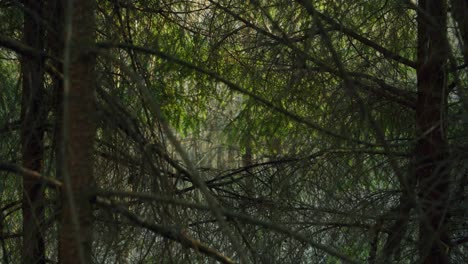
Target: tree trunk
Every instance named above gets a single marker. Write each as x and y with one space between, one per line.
55 43
431 147
32 133
75 236
460 15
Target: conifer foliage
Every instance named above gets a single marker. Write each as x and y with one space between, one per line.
233 131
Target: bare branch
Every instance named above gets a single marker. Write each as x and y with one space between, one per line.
232 215
34 175
174 233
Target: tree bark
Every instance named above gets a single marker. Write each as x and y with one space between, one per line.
75 236
431 147
32 133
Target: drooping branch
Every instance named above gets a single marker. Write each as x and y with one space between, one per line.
233 86
170 232
382 50
19 47
31 174
229 214
154 108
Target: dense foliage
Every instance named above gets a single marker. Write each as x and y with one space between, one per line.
234 131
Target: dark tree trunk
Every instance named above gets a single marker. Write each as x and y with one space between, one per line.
79 130
431 147
460 15
32 133
55 43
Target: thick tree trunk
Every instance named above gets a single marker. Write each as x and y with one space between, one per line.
79 131
431 147
32 133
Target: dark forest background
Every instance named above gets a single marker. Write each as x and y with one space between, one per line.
203 131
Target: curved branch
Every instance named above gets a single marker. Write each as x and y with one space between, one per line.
19 47
34 175
232 215
170 232
349 32
233 87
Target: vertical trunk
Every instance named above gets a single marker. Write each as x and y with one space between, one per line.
431 147
32 132
460 15
55 41
75 236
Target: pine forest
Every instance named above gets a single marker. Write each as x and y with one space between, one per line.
229 131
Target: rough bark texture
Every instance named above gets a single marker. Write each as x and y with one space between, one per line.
431 147
32 133
75 240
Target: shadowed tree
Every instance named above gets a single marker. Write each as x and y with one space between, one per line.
78 122
431 152
33 114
